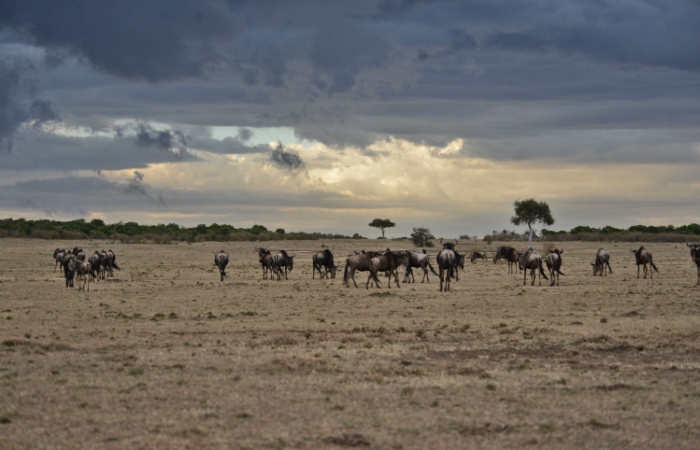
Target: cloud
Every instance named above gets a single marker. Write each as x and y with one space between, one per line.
172 141
286 159
135 186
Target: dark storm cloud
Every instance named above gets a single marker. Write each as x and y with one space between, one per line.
172 141
135 186
286 159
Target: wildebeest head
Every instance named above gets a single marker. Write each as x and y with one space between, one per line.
449 245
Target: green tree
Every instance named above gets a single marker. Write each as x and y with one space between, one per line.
531 211
421 237
382 224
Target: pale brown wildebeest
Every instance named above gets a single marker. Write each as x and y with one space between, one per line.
389 262
695 256
644 257
359 262
478 255
82 269
602 261
221 261
417 260
531 260
553 262
58 256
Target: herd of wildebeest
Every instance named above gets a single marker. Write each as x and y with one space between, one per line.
448 260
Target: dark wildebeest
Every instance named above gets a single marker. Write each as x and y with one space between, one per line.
67 272
459 264
531 260
282 260
58 256
478 255
695 256
82 269
501 253
510 254
79 254
104 263
359 262
95 261
109 262
446 261
388 262
323 259
221 261
265 258
417 260
643 257
553 262
602 260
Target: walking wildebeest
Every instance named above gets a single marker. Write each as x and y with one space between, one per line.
358 262
265 258
82 269
446 261
280 260
695 256
553 262
58 256
417 260
221 261
79 254
388 262
95 261
531 260
478 255
323 259
602 261
644 257
104 263
67 272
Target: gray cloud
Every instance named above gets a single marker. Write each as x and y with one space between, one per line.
172 141
286 159
135 186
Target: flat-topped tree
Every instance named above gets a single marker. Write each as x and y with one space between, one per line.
531 211
382 224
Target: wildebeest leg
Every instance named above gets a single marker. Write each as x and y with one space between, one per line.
425 275
352 275
442 273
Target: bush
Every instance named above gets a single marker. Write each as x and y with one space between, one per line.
421 237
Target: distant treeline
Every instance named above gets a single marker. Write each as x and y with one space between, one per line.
634 233
132 232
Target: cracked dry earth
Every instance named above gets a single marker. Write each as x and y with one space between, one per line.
163 355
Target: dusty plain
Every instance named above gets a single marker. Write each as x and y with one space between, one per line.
163 355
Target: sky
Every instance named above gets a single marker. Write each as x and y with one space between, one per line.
322 116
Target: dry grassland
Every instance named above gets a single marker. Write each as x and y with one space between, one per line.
165 356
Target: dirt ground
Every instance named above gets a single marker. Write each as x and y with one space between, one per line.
163 355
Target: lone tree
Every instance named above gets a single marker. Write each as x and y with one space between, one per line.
382 224
421 237
531 211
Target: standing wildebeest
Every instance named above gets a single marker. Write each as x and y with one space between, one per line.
446 261
388 262
358 262
509 254
643 257
104 263
221 261
478 255
323 259
58 256
417 260
554 261
532 260
67 272
602 260
82 269
280 260
79 254
265 258
695 256
95 261
459 264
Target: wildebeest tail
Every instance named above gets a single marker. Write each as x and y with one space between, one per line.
432 270
373 275
539 263
654 266
345 275
114 263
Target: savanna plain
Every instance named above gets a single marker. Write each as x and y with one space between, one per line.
164 355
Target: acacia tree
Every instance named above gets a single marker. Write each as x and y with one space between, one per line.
421 237
382 224
531 211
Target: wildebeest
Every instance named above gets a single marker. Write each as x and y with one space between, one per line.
67 272
282 260
417 260
459 264
388 262
553 262
359 262
79 254
446 261
602 261
108 260
323 259
104 263
82 269
95 261
695 256
58 256
644 257
221 261
531 260
510 254
478 255
449 245
265 258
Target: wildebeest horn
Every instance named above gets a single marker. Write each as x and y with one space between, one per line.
456 241
293 255
632 250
